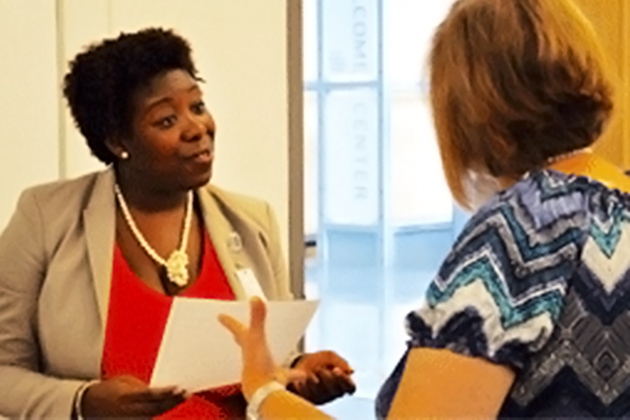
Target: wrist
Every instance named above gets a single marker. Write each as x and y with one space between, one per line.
77 408
296 360
259 396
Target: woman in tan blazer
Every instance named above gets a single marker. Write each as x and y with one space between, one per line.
137 101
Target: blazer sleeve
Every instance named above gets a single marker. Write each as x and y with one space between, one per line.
24 391
276 257
280 275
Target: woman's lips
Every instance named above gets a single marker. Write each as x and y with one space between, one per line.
205 156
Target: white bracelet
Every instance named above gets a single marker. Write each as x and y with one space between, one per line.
259 397
78 397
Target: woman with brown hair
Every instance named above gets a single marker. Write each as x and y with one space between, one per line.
530 312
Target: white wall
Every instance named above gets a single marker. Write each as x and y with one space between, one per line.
240 49
29 129
80 24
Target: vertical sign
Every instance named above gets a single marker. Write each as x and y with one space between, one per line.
350 34
351 157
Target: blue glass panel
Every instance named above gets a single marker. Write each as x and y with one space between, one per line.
385 215
408 31
309 44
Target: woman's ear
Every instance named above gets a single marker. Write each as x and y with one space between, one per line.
117 148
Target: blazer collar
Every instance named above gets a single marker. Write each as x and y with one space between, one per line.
225 240
99 220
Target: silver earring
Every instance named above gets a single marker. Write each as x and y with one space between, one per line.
124 155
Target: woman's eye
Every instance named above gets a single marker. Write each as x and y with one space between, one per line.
166 122
199 107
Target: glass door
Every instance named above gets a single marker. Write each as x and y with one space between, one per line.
378 214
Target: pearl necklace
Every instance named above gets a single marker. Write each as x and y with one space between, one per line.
558 158
555 159
177 263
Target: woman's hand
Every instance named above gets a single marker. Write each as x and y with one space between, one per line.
258 365
321 377
127 396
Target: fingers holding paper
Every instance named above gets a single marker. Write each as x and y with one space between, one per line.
126 396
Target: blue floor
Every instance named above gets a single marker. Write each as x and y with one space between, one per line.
363 304
351 408
361 317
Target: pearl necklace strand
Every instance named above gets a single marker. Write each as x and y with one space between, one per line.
555 159
177 263
558 158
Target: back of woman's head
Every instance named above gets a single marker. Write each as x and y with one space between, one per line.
103 80
514 83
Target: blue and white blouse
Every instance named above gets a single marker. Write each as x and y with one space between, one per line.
539 281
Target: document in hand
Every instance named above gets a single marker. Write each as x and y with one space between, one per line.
199 353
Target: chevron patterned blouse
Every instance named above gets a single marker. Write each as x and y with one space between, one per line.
539 280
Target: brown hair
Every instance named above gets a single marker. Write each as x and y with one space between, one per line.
513 83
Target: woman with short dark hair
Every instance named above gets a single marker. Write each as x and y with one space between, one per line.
90 266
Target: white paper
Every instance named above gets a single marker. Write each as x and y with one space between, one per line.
198 353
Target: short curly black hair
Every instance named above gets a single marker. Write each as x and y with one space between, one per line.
102 80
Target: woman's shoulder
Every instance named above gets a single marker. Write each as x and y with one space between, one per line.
253 207
502 288
65 192
547 198
531 226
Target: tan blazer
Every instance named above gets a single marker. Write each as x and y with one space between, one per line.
55 272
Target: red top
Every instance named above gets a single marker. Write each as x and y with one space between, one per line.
135 324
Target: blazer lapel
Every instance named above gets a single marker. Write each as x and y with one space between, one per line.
99 220
221 233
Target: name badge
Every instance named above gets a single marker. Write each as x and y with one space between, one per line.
250 283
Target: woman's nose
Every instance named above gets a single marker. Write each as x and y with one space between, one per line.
195 128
